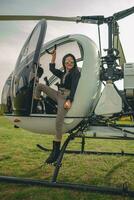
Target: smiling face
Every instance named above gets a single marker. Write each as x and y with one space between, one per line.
69 63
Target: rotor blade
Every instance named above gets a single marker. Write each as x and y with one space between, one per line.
123 13
82 19
30 17
118 45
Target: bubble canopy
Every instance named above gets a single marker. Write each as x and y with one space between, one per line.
33 63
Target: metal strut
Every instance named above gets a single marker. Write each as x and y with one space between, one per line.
59 160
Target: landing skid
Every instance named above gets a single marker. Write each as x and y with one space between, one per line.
80 187
82 151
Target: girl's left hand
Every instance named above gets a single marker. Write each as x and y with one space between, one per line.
67 104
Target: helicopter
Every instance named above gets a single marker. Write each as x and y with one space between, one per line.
17 96
106 113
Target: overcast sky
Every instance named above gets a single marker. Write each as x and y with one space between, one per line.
13 34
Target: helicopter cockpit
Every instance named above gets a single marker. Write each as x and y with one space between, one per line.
63 46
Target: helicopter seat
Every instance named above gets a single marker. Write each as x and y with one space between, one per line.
50 106
38 107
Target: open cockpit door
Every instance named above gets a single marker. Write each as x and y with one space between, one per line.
25 70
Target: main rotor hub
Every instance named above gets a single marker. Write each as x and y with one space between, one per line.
111 72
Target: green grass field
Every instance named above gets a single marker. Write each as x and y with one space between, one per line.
19 156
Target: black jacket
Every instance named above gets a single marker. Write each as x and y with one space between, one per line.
71 80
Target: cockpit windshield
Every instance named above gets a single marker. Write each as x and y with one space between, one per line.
22 82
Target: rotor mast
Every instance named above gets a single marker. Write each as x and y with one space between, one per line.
112 73
111 22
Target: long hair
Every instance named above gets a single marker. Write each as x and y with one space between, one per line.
64 58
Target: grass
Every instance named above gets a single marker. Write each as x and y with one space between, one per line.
19 156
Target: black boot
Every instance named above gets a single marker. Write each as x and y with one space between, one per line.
54 154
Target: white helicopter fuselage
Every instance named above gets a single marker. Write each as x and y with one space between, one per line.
86 96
